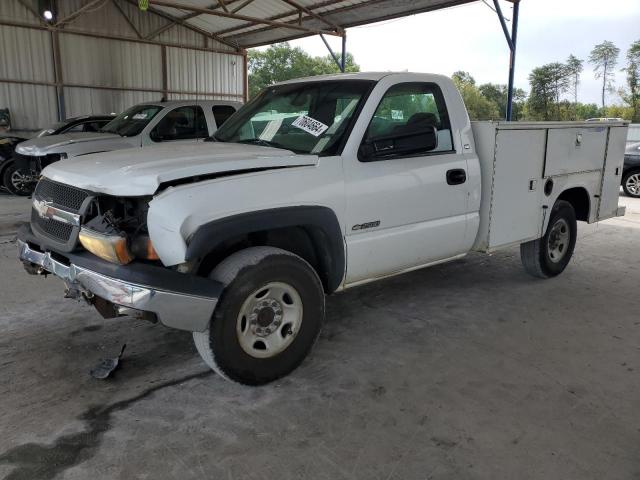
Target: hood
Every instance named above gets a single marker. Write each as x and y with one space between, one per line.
137 172
60 143
633 149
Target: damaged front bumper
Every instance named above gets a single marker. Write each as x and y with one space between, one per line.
177 300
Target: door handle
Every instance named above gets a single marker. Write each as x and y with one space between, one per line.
457 176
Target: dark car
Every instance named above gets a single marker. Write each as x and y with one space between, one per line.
20 182
631 171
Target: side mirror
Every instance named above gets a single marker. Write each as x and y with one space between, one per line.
408 140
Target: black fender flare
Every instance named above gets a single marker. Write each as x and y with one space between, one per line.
319 222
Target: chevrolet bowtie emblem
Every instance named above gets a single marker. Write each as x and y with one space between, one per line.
45 209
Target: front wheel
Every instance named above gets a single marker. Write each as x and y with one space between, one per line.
18 181
267 319
548 256
631 184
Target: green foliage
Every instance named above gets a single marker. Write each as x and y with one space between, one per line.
478 106
462 78
604 58
498 94
542 95
631 94
282 62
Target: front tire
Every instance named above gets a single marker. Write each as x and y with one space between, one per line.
631 184
17 181
267 318
548 256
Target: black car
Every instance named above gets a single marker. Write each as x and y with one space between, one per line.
631 171
19 182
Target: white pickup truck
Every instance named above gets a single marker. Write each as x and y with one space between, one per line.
315 186
143 125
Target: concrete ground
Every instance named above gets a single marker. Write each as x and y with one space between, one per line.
469 370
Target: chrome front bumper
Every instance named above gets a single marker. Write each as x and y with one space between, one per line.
174 309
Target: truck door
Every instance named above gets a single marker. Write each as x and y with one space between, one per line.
405 210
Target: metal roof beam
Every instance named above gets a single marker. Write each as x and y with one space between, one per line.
326 3
126 18
32 10
252 21
311 13
69 18
182 23
241 6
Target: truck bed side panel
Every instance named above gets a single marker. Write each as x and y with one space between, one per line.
612 173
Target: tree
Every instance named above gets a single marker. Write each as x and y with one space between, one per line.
631 95
282 62
462 78
479 107
543 93
497 94
574 69
560 79
604 58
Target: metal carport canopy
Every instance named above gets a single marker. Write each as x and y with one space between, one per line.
251 23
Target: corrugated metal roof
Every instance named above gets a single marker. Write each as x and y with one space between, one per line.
244 23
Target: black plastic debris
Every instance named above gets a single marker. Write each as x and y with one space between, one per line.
107 366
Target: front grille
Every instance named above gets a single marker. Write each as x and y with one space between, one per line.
64 196
63 235
59 231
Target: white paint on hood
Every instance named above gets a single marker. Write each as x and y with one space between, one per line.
52 143
138 172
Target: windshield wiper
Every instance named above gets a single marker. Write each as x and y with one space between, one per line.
259 141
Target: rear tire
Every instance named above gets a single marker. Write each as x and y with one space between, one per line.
631 184
267 318
548 256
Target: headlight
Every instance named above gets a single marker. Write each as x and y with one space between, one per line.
142 247
113 248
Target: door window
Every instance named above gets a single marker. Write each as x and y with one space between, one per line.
182 123
221 113
408 104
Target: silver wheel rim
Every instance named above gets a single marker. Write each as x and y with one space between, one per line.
558 241
269 320
20 181
633 184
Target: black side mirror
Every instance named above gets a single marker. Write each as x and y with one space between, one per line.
410 139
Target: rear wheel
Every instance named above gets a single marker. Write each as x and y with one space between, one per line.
631 184
267 319
18 181
548 256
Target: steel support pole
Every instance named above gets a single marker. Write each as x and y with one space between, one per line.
57 72
343 58
333 55
511 41
512 60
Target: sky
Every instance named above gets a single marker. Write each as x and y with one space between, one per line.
469 37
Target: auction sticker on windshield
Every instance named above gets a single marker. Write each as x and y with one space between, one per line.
310 125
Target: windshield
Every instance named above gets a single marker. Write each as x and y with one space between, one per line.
307 117
131 122
52 129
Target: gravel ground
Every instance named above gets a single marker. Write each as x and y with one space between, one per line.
468 370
